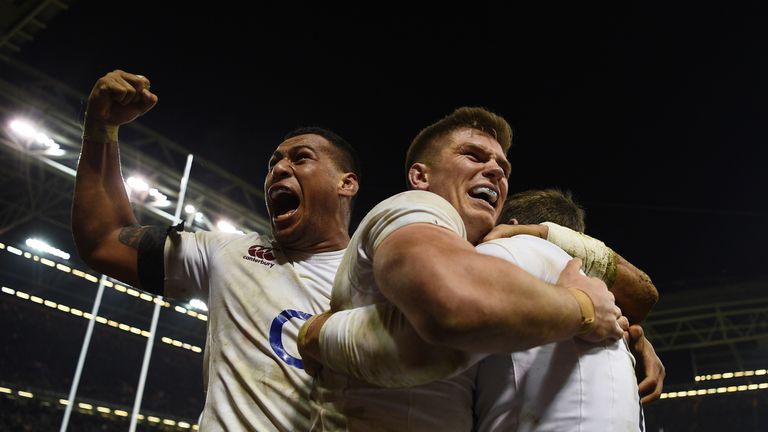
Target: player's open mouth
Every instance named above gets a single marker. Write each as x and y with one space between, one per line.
284 203
485 193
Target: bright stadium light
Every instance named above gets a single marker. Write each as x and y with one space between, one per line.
29 131
45 140
160 199
137 184
198 304
46 248
23 128
225 226
157 195
189 209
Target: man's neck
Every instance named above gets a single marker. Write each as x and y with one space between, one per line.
325 245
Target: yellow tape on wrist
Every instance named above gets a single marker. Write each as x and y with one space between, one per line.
587 310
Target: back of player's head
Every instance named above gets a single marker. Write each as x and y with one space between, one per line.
547 205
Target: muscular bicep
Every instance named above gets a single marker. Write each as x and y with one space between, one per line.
132 254
456 297
409 266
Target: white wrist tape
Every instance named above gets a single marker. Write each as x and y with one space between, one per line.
378 345
598 259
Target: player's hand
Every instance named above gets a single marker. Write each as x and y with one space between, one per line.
118 98
608 319
650 371
504 231
308 343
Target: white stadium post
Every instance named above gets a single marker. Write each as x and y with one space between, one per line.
156 312
83 353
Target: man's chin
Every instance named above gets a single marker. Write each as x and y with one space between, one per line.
479 227
288 237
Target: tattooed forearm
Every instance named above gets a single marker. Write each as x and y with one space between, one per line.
131 235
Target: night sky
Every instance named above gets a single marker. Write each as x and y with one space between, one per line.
652 114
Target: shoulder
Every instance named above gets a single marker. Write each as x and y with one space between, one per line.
533 254
399 211
415 205
414 198
408 208
526 243
213 240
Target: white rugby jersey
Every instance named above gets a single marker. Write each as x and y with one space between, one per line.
565 386
347 404
258 298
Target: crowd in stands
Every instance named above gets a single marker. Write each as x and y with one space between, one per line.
40 348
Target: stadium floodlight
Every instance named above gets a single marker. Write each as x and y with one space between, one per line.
46 248
157 195
160 199
137 184
225 226
23 128
26 129
198 304
189 209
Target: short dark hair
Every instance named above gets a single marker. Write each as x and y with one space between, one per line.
548 205
423 147
347 160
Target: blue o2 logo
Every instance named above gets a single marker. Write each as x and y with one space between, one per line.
276 336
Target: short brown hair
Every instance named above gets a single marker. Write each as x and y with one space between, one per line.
548 205
423 146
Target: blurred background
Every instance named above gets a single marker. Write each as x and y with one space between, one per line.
653 115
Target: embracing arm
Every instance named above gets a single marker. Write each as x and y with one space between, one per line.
480 303
634 291
104 226
456 297
378 345
650 370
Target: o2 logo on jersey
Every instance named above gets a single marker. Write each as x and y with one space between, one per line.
262 252
276 336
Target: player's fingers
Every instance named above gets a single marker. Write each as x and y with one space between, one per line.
148 100
617 332
500 231
144 81
636 332
651 391
624 324
573 265
120 90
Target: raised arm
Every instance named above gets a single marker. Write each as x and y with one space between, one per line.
634 291
104 226
456 297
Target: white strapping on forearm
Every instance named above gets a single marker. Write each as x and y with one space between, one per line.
598 259
376 344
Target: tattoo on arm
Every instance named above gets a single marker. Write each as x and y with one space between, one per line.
131 235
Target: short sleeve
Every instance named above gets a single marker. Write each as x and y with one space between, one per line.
405 209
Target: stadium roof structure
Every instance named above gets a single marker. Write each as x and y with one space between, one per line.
703 327
37 178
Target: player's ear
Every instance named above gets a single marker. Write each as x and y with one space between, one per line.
348 185
513 221
418 177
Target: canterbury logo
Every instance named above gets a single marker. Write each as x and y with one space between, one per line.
261 254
